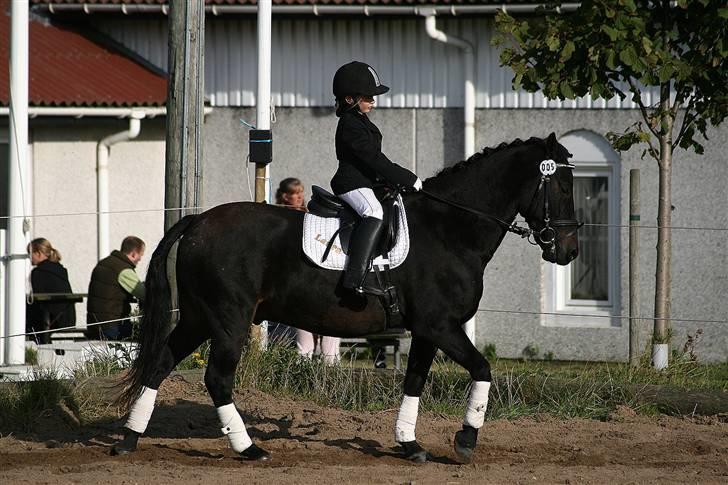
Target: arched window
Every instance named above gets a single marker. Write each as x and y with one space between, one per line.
590 285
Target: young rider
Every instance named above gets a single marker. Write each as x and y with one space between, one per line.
362 164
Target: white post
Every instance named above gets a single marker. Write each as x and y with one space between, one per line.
3 286
18 178
262 120
262 117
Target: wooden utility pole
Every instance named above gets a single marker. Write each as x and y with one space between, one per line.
634 267
185 110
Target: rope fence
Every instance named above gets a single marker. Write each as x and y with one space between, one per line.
169 209
486 310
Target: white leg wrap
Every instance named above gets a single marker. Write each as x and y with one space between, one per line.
404 429
234 428
477 404
141 410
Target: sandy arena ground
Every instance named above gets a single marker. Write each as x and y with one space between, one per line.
317 445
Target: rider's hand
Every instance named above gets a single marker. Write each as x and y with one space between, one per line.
418 185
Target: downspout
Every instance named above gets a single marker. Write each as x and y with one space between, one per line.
469 61
469 107
102 179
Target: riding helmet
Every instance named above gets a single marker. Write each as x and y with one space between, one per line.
357 78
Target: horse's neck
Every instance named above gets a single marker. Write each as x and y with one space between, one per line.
494 188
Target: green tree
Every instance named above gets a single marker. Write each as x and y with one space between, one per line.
609 47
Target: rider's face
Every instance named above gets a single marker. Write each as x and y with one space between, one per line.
366 103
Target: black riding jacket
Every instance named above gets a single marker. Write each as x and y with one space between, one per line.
361 161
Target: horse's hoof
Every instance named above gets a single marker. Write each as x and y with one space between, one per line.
126 445
255 453
465 441
414 452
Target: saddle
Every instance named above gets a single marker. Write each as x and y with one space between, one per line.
325 204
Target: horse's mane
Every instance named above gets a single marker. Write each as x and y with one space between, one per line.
488 151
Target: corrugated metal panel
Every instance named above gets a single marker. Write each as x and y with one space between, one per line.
422 72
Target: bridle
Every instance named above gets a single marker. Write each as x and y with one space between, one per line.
545 236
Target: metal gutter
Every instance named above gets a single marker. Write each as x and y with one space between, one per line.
71 112
316 10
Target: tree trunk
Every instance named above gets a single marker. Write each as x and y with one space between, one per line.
663 276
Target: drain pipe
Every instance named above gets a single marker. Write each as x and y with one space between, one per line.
469 107
469 60
102 179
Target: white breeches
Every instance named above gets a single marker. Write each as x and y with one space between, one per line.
364 202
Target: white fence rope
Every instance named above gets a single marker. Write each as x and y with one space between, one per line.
487 310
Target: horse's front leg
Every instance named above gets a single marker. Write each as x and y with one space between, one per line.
456 345
418 365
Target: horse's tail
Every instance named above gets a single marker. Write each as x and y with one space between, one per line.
157 309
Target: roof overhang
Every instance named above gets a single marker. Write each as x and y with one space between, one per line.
81 112
316 10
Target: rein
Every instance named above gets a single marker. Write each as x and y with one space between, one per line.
524 232
547 234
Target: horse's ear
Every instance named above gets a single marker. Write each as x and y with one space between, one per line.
551 142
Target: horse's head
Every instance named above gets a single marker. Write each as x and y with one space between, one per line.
550 213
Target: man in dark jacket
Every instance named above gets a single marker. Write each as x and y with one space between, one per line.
114 286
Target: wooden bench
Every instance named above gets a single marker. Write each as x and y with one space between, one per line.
383 339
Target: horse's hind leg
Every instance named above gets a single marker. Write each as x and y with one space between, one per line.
421 354
456 345
219 379
183 339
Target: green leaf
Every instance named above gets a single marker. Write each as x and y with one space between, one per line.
610 60
647 45
628 56
566 90
631 7
666 72
611 32
567 51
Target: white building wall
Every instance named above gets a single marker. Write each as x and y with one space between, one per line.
64 204
422 72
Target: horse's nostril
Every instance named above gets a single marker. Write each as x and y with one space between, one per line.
573 254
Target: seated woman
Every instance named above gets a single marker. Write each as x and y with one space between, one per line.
48 276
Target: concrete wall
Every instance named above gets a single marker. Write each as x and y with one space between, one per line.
514 280
64 181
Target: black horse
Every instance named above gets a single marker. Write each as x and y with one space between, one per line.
242 263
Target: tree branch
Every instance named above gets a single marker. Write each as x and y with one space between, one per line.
690 116
643 109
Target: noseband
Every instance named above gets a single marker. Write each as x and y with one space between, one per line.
547 234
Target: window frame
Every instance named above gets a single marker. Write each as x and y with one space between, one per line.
556 301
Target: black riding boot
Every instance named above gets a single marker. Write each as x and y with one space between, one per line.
364 240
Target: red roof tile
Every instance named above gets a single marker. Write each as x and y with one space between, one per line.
68 69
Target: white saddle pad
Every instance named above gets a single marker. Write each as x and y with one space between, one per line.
317 232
